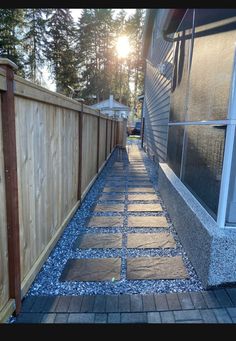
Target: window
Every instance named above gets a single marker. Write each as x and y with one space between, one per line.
202 165
199 124
175 144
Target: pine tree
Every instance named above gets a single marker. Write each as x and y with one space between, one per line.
60 49
11 23
119 82
134 29
34 40
95 53
86 61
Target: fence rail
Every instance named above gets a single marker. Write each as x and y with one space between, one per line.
60 147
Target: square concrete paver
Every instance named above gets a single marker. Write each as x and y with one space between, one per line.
117 172
141 189
137 168
118 163
150 221
137 183
113 189
144 208
142 196
120 175
112 196
99 241
105 222
138 179
115 183
90 270
109 208
115 178
156 268
150 240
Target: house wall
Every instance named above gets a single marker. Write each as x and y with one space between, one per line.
157 91
190 169
210 249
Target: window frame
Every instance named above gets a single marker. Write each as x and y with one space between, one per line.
230 124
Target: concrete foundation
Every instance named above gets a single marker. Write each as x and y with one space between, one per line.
211 250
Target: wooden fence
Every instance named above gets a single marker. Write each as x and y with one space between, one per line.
51 150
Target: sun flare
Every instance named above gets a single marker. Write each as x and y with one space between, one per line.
123 46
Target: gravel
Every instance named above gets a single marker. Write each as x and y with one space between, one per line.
47 281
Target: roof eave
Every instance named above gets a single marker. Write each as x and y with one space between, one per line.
170 24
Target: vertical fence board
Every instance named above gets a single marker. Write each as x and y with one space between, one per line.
108 137
114 134
98 141
89 154
80 139
122 134
102 141
111 135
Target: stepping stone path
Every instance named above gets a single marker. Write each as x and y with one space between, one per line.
128 216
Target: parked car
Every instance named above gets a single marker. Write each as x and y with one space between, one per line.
130 128
134 128
137 128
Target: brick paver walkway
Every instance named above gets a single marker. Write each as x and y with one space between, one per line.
130 183
215 306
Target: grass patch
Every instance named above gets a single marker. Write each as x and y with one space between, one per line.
134 137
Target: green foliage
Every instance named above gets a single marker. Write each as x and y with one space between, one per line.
95 28
59 49
11 23
134 30
34 39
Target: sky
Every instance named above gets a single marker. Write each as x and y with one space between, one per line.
76 14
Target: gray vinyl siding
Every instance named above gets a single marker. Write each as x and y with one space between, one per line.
157 92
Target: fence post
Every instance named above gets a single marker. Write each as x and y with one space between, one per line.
115 134
111 136
98 142
79 192
124 132
10 167
106 137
